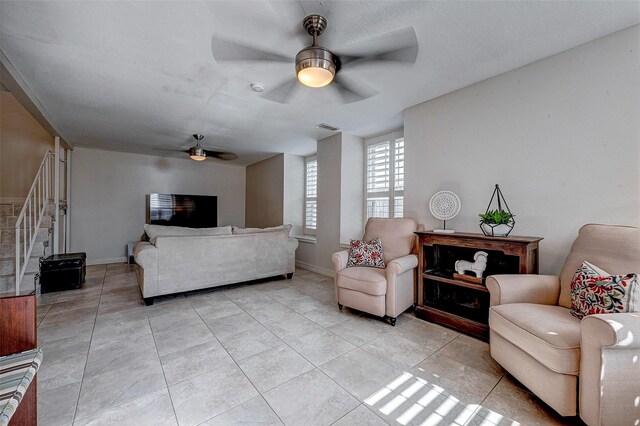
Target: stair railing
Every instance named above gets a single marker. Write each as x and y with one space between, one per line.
30 217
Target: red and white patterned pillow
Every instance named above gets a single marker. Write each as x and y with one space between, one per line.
364 253
594 291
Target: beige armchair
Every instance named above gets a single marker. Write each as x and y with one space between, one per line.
382 292
590 367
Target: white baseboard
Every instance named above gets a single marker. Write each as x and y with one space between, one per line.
105 260
313 268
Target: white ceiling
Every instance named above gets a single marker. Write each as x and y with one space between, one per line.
137 76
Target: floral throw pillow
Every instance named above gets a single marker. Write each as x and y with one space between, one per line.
364 253
594 291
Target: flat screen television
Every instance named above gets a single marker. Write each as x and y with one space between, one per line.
191 211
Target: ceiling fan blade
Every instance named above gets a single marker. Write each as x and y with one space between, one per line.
222 155
395 46
284 92
352 90
155 148
227 50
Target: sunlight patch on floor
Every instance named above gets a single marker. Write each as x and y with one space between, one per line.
428 404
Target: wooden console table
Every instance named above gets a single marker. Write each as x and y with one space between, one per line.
461 304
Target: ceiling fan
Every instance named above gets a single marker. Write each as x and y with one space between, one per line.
317 66
198 153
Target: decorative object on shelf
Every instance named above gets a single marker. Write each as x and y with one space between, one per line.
498 222
478 265
444 205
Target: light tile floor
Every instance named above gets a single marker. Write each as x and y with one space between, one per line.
272 352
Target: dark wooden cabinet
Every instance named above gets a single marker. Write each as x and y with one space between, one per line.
458 303
17 334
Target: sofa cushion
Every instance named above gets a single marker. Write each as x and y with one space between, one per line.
594 291
240 231
549 333
365 280
363 253
155 231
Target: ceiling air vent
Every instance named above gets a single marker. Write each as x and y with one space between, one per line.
325 126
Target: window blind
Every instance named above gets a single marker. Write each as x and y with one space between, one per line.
311 196
385 177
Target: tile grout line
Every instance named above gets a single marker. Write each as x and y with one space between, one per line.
48 310
101 411
335 334
346 414
360 347
309 319
477 410
266 292
237 365
361 315
86 361
318 367
285 343
155 345
341 387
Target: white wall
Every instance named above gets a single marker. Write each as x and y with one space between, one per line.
561 136
340 203
108 192
351 188
316 255
265 193
294 192
275 192
328 221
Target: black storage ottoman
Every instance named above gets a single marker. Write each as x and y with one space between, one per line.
62 272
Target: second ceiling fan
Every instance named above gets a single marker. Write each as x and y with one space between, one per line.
317 66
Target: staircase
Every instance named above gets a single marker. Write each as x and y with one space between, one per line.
9 211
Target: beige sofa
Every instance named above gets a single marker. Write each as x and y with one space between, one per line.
382 292
590 366
172 264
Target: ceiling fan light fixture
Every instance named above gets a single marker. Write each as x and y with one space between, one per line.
315 66
196 153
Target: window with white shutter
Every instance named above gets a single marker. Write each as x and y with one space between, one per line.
384 178
310 195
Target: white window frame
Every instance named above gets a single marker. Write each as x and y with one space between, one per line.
307 230
392 193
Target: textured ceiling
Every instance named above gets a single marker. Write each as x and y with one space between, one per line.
141 76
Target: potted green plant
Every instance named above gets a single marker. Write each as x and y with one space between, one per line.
496 223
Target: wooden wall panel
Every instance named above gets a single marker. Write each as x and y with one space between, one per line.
17 334
17 324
